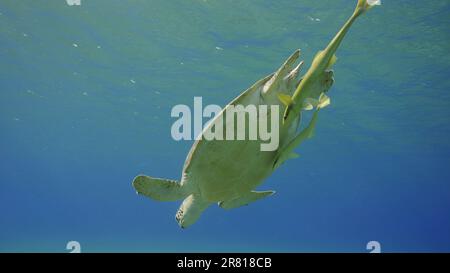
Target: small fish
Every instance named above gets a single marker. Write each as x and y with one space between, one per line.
321 66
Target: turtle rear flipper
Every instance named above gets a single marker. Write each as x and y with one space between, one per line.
245 199
159 189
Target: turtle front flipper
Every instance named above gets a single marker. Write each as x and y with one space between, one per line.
159 189
245 199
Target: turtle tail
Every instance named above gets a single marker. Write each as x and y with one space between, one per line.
159 189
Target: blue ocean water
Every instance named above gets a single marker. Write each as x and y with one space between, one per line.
85 99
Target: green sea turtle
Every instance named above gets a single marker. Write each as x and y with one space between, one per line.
227 172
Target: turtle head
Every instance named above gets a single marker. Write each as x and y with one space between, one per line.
190 210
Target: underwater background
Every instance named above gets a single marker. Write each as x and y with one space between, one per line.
85 99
